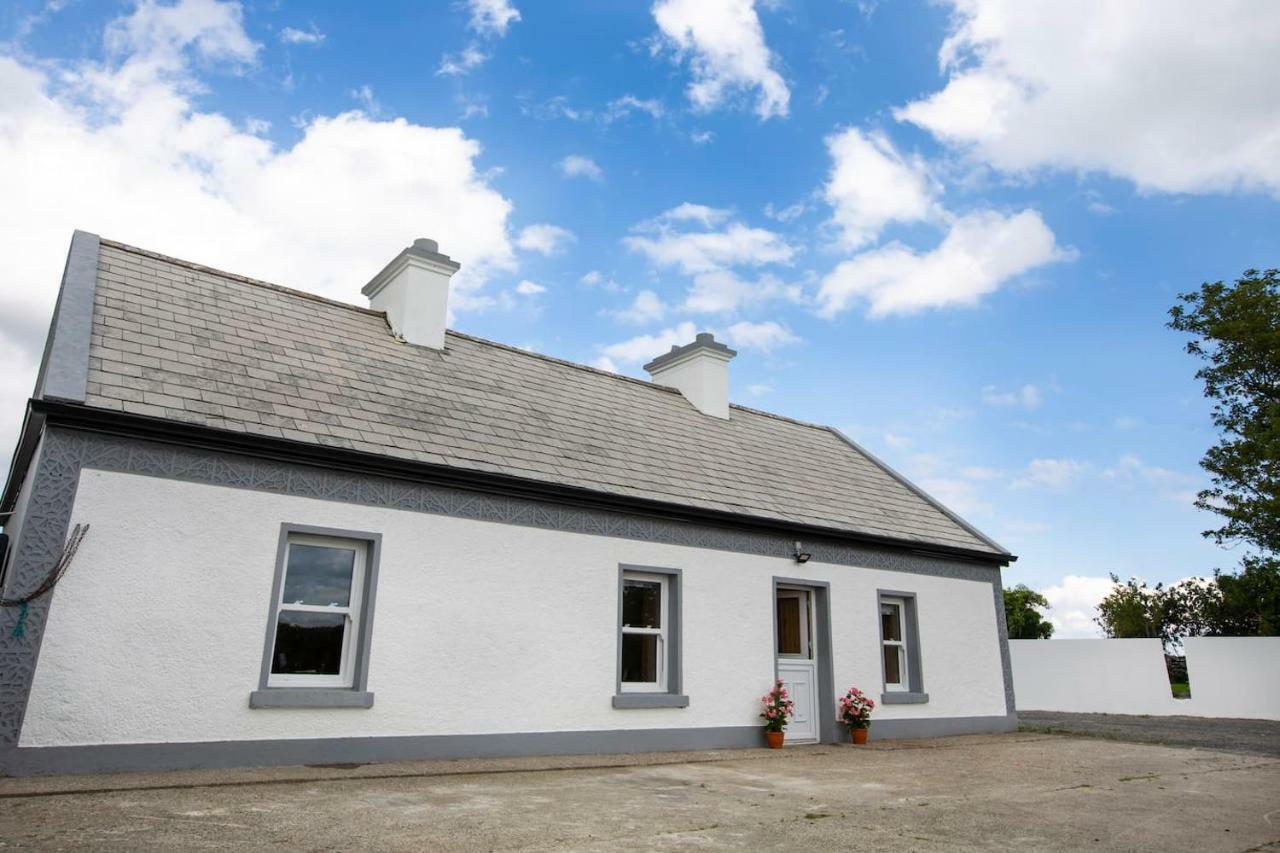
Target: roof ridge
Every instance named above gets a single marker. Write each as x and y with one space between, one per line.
560 361
288 291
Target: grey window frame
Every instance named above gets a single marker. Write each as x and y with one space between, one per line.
672 697
914 694
355 696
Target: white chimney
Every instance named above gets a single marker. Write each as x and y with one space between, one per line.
699 371
414 292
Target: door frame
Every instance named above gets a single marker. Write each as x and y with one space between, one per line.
820 592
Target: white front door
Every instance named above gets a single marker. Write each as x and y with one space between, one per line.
797 661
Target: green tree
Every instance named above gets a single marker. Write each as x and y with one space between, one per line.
1236 331
1023 616
1247 604
1134 610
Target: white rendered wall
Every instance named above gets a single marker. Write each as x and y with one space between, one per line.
1230 677
1234 676
1091 676
156 632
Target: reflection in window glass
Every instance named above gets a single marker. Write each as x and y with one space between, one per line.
642 604
789 640
891 622
640 658
308 643
892 664
319 575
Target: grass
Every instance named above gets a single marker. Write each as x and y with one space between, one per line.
1181 690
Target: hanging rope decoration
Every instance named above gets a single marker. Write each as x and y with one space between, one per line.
55 575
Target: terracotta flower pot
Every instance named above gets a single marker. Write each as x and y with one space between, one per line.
775 739
859 735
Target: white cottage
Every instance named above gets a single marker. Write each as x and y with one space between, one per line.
325 533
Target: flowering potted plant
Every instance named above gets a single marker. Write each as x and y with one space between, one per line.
854 710
777 708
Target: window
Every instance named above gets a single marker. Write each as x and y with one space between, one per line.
318 613
649 639
318 633
644 632
895 648
900 649
794 619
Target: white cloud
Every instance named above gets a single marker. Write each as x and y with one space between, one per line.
643 348
605 363
118 148
725 46
292 35
595 278
530 288
492 17
707 251
1073 603
544 239
578 166
898 442
153 38
702 137
871 185
705 216
759 389
766 336
709 256
785 214
365 98
647 307
981 251
467 60
1028 396
628 104
1173 96
1053 474
724 291
1167 484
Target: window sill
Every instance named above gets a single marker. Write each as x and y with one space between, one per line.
650 700
899 697
310 697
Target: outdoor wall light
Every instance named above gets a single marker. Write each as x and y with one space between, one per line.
801 556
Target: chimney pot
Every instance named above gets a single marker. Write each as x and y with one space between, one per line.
413 290
699 371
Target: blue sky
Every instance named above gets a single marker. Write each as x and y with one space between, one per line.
951 229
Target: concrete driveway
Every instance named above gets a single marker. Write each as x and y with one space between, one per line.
1252 737
1005 792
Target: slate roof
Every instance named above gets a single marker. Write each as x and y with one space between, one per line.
175 340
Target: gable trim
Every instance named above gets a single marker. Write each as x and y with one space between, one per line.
64 369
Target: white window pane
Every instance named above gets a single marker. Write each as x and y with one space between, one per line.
308 643
319 575
641 604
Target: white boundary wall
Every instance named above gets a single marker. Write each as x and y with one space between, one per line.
1230 677
1234 676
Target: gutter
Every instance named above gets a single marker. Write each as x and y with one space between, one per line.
80 417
